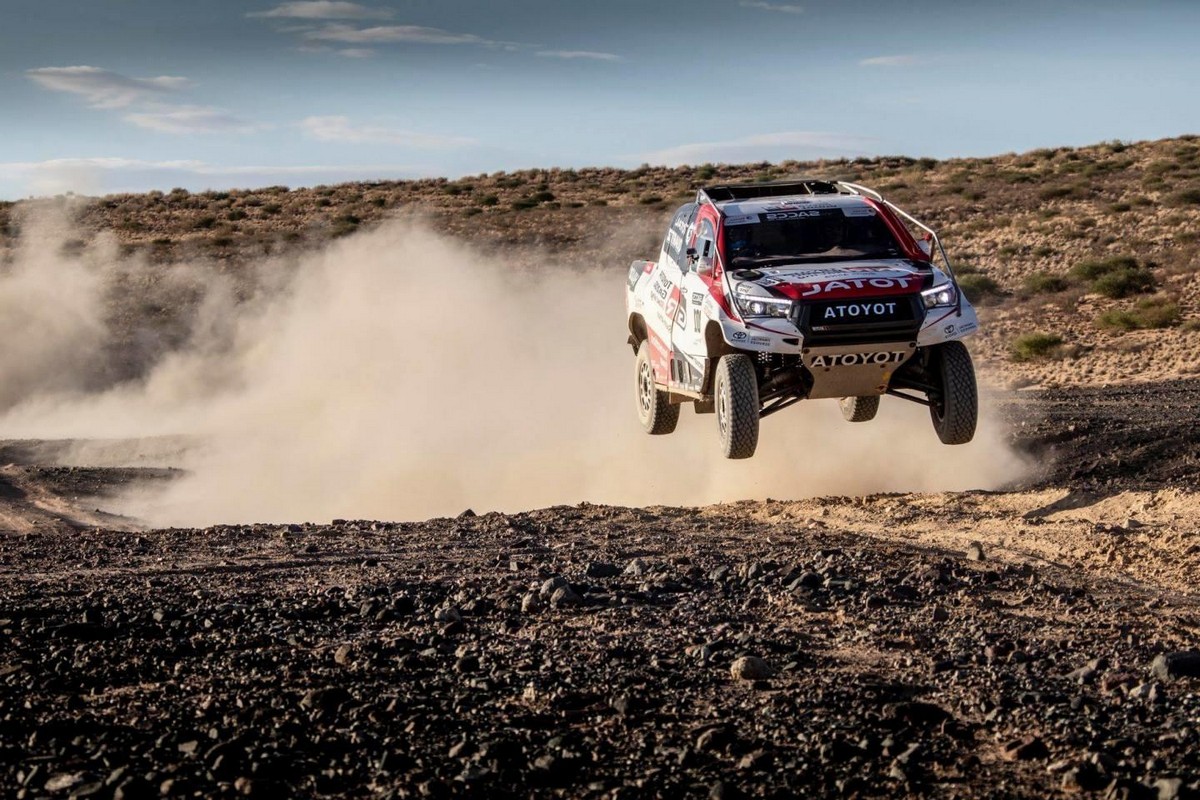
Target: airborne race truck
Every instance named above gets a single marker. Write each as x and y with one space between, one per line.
764 295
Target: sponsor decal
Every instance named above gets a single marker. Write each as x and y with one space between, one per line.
697 298
738 336
776 216
967 327
858 359
674 240
847 310
950 329
823 287
858 211
661 288
761 341
744 219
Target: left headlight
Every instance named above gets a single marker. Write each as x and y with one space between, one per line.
763 307
940 296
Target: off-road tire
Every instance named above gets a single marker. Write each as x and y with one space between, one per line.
657 415
860 409
736 397
956 411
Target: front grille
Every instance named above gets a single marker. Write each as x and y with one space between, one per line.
860 320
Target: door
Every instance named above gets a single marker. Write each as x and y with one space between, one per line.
687 331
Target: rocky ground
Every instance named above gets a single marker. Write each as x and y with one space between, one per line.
1029 643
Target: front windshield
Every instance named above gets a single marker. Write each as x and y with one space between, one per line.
825 235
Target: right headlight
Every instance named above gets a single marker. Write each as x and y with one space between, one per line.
940 296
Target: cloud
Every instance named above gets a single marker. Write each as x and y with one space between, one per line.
888 61
114 175
799 145
323 9
391 34
190 119
579 54
142 97
101 88
340 129
356 52
783 8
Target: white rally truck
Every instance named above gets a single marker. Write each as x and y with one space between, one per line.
764 295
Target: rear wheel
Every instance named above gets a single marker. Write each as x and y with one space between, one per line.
657 415
860 409
736 399
956 410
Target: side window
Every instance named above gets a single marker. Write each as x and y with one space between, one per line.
706 246
676 239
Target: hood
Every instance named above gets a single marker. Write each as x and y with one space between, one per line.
833 281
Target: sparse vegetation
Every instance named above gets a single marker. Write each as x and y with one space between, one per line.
1034 346
1045 283
978 287
1115 277
1149 313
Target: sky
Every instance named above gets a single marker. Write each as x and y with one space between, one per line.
101 96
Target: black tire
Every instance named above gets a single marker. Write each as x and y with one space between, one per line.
736 397
657 415
956 411
860 409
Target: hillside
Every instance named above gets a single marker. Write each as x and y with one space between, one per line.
1083 260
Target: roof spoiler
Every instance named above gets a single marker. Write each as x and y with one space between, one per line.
752 191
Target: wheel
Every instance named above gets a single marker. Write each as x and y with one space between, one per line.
956 410
859 409
736 398
657 415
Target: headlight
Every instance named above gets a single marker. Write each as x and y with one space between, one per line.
940 296
763 307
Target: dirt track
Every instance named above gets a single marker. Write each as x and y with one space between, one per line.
448 657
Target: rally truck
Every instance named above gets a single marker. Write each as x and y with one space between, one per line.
767 294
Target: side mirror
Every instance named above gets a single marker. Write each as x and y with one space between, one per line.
926 245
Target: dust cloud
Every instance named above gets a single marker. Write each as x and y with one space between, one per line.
396 374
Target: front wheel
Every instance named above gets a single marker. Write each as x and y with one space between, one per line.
736 400
860 409
955 408
657 415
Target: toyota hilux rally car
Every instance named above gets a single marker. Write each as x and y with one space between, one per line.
764 295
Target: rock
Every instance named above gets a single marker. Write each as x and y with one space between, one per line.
975 552
64 781
600 569
1172 666
751 668
530 603
1029 748
1168 788
637 568
565 596
551 585
940 614
341 656
448 614
1083 777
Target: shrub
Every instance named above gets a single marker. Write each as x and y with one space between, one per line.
1055 192
1149 313
650 200
542 196
1125 283
1186 197
1116 277
977 286
1034 346
523 204
205 222
489 200
1045 283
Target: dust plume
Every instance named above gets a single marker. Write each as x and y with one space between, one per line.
397 374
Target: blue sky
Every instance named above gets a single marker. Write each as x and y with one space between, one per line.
114 95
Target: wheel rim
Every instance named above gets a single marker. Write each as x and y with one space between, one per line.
645 388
